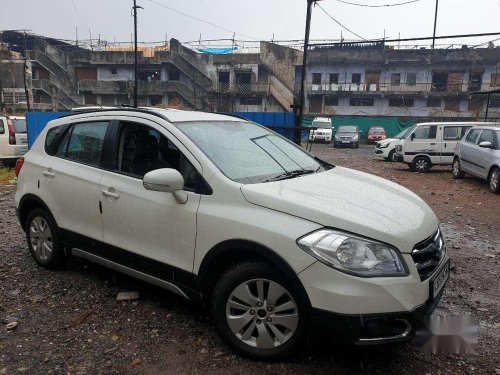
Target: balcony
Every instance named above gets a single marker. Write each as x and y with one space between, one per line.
122 87
328 88
241 88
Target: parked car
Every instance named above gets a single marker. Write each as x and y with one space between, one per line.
432 143
13 139
346 136
387 147
226 212
323 131
479 154
375 133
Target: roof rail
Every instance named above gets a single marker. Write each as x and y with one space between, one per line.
97 109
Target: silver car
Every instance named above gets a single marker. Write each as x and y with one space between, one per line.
478 154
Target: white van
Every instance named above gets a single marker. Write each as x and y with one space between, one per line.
432 143
13 138
323 131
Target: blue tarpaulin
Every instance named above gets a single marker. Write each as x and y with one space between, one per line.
218 51
36 121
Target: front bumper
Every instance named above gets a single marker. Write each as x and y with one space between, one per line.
399 158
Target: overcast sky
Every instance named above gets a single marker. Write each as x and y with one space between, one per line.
258 19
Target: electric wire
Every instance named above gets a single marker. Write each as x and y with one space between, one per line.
341 25
379 6
199 19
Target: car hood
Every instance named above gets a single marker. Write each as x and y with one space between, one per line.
352 201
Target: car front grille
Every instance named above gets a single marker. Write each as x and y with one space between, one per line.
428 254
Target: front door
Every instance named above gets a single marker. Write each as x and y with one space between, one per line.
140 223
468 152
424 142
451 136
484 155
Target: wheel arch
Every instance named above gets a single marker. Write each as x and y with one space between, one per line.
29 202
228 253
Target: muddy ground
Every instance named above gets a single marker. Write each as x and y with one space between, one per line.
69 322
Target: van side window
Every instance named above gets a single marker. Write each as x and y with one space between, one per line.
472 136
426 132
451 133
142 149
83 143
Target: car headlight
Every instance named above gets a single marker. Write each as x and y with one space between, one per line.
356 137
384 145
352 254
337 137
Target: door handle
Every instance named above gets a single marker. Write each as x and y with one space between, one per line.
110 194
445 145
49 173
433 144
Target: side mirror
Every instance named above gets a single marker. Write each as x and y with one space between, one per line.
485 144
167 180
412 137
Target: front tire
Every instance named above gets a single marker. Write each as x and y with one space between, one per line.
494 181
43 239
258 312
421 164
391 156
458 173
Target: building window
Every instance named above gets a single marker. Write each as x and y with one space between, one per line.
114 70
316 79
495 80
331 101
334 78
433 102
495 103
411 79
439 81
475 81
356 78
361 102
395 79
250 101
401 102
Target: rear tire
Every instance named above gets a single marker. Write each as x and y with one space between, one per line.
421 164
494 181
258 312
458 173
43 239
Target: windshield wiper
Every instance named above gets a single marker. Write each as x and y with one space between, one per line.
291 174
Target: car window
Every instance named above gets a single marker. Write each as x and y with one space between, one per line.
426 132
347 129
142 149
83 143
377 130
19 125
472 136
451 133
2 127
53 139
486 136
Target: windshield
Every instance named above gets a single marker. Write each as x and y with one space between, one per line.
246 152
377 130
19 124
405 132
321 124
348 129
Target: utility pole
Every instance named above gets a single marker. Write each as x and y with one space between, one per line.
298 131
487 107
136 66
435 24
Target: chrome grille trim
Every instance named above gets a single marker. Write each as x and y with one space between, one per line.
428 255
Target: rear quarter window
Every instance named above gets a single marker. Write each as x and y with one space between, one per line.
53 139
2 127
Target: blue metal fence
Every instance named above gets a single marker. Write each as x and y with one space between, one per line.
36 121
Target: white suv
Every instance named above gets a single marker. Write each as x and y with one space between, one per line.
226 212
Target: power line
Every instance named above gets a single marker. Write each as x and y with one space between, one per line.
341 25
200 20
77 14
379 6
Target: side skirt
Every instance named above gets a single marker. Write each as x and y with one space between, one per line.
146 269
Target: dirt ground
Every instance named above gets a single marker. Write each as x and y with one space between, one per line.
69 322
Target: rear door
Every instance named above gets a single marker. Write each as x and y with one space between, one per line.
452 134
70 176
425 142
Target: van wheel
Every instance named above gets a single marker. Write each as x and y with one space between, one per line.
43 239
258 312
494 181
457 169
421 164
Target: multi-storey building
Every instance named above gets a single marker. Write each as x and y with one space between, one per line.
15 84
375 80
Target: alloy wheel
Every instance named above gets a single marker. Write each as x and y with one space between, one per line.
262 313
421 165
41 238
494 181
